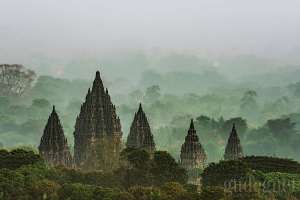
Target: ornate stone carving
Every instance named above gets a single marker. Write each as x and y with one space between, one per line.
192 154
54 146
233 150
97 131
140 136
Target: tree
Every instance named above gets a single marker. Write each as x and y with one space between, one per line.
175 191
295 89
76 191
135 168
41 103
240 124
282 129
152 93
15 79
18 158
44 189
224 172
12 185
166 169
136 96
249 106
212 193
144 193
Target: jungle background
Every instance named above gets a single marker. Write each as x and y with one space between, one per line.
261 96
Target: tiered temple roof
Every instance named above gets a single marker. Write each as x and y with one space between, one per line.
233 150
192 153
140 136
97 121
54 146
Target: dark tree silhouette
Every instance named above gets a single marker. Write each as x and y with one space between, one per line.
282 129
15 79
152 93
248 102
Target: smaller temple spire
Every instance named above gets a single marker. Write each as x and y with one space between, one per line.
53 146
192 153
140 135
233 150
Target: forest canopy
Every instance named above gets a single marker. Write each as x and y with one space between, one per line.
267 118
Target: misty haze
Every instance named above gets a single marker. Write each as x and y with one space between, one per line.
155 99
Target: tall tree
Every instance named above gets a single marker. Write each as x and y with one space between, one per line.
248 102
15 79
282 129
152 93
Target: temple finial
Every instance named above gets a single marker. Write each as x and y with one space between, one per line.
192 124
98 74
233 127
140 107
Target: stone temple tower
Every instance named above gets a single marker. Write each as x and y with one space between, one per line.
233 150
192 153
140 136
97 131
193 156
54 146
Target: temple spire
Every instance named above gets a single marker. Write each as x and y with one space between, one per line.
140 108
233 150
233 128
97 121
98 84
192 154
140 136
54 146
192 127
98 75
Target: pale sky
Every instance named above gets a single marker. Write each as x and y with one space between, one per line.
78 27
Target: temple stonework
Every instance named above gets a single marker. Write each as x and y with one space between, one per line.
233 150
140 136
193 156
192 153
97 131
54 146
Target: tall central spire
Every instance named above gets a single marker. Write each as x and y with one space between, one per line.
97 122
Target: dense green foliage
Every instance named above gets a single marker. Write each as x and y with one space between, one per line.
17 158
252 178
139 169
149 180
23 175
269 164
